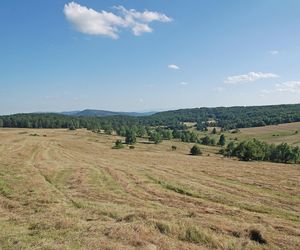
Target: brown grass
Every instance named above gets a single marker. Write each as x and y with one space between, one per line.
275 133
71 190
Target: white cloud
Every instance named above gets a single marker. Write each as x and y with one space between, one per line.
173 66
104 23
184 83
250 77
291 86
273 52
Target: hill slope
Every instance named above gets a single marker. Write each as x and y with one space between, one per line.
63 189
225 117
104 113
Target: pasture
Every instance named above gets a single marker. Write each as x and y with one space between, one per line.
63 189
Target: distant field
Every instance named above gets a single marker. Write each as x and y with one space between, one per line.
275 133
64 189
271 134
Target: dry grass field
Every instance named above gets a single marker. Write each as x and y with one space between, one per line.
64 189
275 133
288 132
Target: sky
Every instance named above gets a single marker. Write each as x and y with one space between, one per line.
147 55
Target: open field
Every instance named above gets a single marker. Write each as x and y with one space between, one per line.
275 133
271 134
64 189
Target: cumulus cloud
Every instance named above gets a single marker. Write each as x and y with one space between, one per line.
173 66
250 77
291 86
92 22
273 52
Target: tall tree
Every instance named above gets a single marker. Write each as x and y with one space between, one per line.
130 137
222 140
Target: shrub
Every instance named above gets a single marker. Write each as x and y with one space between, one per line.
195 150
205 140
118 144
72 127
256 235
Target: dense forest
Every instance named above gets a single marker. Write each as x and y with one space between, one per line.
224 117
231 117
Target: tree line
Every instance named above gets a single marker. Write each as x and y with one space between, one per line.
260 151
223 117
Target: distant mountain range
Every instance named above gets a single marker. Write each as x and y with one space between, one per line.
103 113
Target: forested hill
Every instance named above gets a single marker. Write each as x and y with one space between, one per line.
104 113
225 117
233 117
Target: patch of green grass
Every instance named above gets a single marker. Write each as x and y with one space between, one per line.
5 190
197 236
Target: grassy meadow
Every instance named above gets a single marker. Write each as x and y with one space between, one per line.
288 132
63 189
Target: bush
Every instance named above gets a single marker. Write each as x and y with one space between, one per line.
195 150
118 144
72 127
256 235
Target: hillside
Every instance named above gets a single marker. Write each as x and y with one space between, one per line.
224 117
233 117
104 113
288 133
63 189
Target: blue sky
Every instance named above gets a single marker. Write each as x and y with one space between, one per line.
58 55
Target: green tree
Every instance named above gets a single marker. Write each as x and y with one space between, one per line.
222 140
141 131
295 155
130 137
205 140
155 137
167 134
195 150
283 153
214 131
108 129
